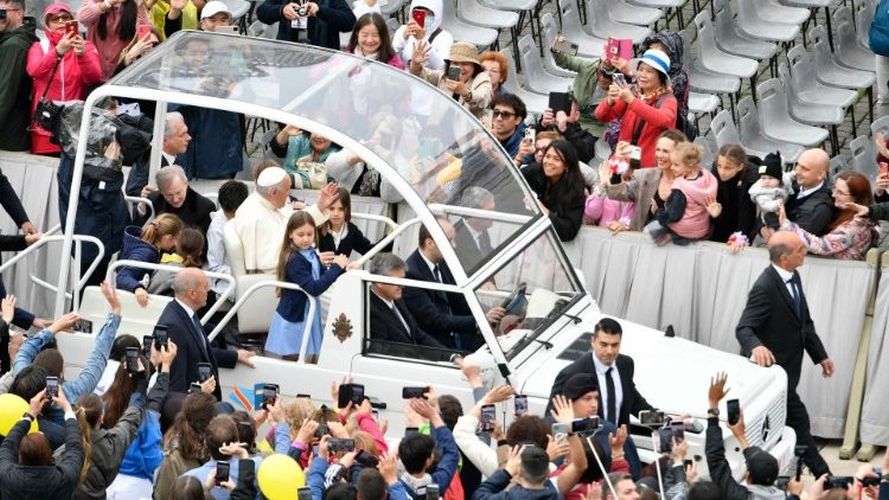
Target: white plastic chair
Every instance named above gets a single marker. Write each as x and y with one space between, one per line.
475 13
465 32
513 5
864 16
587 45
730 40
771 9
723 129
703 80
600 25
805 83
776 120
699 103
622 12
880 125
753 138
751 24
828 71
847 51
838 163
713 59
807 112
536 103
864 156
536 77
550 32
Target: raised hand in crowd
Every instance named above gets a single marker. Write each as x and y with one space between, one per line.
209 385
557 448
498 394
420 55
617 440
327 196
65 323
8 308
110 294
139 48
164 357
563 410
35 406
307 431
514 463
66 43
388 467
717 389
414 30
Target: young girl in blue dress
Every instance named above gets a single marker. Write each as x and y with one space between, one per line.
299 263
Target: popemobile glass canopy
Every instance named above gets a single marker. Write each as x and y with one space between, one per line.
420 140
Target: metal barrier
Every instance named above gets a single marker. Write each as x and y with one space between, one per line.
112 280
135 201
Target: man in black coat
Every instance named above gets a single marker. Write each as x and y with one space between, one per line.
176 139
393 329
316 23
185 330
811 204
776 327
618 396
446 316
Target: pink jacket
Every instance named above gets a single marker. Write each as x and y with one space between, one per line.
90 13
602 211
367 423
695 223
72 78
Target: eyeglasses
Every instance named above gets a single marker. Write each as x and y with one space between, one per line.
499 113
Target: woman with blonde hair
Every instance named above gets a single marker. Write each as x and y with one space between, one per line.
145 244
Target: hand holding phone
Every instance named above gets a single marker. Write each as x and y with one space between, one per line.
733 411
489 417
222 471
52 388
419 17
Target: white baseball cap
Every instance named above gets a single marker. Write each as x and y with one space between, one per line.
214 7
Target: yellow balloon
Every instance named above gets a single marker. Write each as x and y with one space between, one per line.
12 408
280 477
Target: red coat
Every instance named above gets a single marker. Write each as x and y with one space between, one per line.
656 119
72 79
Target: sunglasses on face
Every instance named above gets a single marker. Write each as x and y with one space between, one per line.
498 113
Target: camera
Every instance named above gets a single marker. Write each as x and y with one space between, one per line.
655 418
302 10
353 393
366 459
414 392
585 426
733 411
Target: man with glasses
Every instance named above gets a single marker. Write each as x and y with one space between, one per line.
507 125
445 316
17 34
811 205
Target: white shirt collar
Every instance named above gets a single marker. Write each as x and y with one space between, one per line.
601 367
388 302
783 273
806 192
188 310
428 262
171 159
338 236
475 234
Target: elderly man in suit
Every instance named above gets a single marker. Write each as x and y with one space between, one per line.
185 330
618 397
393 329
445 316
776 328
176 139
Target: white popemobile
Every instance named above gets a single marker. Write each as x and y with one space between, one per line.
345 98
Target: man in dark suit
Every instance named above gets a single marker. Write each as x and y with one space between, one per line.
811 204
446 316
174 196
472 240
393 329
176 139
184 328
619 397
776 327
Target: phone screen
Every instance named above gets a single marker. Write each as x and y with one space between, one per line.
521 405
678 430
222 470
205 371
146 344
733 411
489 415
132 359
144 30
665 439
160 337
453 73
72 27
269 393
52 387
651 417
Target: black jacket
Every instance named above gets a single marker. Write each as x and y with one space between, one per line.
354 240
15 87
334 17
632 402
738 210
194 212
50 482
770 319
436 312
565 200
495 488
812 213
466 247
138 177
388 335
184 371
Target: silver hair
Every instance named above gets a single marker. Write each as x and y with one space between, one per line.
186 280
165 176
476 197
172 119
386 263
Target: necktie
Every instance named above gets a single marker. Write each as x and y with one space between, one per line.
403 322
437 272
611 414
797 301
484 243
202 341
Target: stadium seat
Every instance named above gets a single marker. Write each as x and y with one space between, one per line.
751 24
550 32
828 71
465 32
730 40
587 45
536 103
864 156
837 164
753 138
536 77
723 129
600 25
847 50
622 12
776 120
715 60
699 103
804 81
472 12
864 16
701 79
807 112
771 9
880 125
